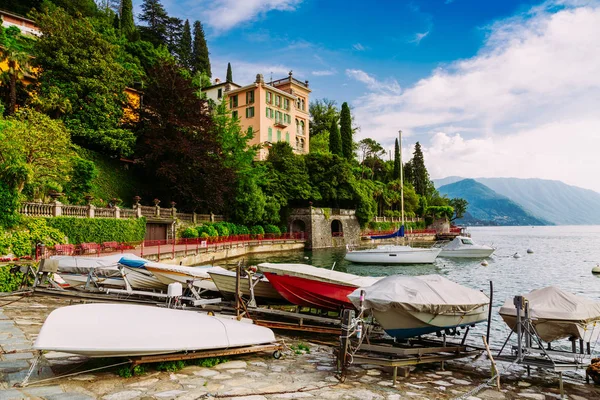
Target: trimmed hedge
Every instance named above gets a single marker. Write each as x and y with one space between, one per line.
388 226
98 230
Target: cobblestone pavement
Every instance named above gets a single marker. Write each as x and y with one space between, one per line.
251 377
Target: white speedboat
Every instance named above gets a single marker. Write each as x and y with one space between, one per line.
121 330
557 314
177 273
394 254
134 269
408 306
464 247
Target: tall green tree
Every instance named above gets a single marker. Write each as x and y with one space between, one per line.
229 73
174 35
322 112
127 24
419 172
14 49
81 81
157 20
460 207
200 55
346 132
397 161
335 139
185 46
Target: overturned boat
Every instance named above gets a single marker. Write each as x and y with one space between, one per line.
408 306
309 286
557 314
120 330
464 247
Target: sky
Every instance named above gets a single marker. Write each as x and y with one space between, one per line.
498 88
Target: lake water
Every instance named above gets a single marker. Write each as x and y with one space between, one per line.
563 256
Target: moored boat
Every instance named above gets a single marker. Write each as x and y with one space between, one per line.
138 276
177 273
557 314
408 306
78 271
120 330
263 290
464 247
394 254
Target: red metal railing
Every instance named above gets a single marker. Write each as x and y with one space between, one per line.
407 232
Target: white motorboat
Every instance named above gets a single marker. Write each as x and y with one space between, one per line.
120 330
177 273
557 314
138 276
408 306
394 254
464 247
263 290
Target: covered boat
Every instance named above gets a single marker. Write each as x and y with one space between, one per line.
557 314
199 276
309 286
263 290
464 247
394 254
120 330
408 306
76 270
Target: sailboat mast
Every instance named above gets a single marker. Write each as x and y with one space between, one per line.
401 176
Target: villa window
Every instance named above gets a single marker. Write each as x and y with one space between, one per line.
297 143
233 101
286 104
302 127
250 97
270 138
302 104
287 137
297 127
234 114
219 93
278 101
249 112
269 95
302 144
267 110
298 104
278 135
272 113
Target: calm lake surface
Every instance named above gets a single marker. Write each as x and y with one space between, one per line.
563 256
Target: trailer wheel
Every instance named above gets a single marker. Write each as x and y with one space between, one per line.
277 354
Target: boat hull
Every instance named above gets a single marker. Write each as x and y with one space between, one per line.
120 330
466 253
140 278
263 291
168 277
78 281
375 256
402 324
312 293
550 330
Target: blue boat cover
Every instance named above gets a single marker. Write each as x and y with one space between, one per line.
398 233
133 262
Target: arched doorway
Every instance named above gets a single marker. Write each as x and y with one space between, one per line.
298 226
337 228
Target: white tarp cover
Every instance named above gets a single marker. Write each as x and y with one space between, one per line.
427 293
457 244
197 272
316 273
106 266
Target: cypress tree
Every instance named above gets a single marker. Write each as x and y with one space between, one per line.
346 132
127 24
229 73
200 60
419 172
154 14
185 46
397 161
335 139
117 22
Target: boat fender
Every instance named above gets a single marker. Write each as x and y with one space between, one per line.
596 269
484 263
517 255
529 251
359 331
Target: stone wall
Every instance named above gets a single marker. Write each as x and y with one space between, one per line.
325 227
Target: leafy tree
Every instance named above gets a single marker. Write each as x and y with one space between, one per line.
127 24
335 140
420 176
200 55
179 144
319 143
322 112
14 49
174 35
229 73
83 172
397 161
185 46
333 178
9 205
346 132
407 172
21 7
370 148
85 8
157 20
79 72
460 207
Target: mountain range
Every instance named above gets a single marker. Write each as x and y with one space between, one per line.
549 201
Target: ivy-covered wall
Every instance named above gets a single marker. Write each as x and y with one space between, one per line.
98 230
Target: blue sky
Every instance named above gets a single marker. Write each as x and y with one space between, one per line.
489 88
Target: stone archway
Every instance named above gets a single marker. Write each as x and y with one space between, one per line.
298 226
337 228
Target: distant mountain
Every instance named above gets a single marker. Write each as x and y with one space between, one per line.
550 200
486 207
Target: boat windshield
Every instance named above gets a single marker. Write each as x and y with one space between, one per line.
466 241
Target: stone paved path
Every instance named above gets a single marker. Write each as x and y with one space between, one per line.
254 377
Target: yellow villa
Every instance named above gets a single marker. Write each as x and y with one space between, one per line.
275 111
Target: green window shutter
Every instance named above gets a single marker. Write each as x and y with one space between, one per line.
278 135
270 134
287 137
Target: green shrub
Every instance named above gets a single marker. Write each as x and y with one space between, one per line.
9 204
257 230
272 229
221 228
9 282
242 230
98 230
21 241
208 229
204 235
189 233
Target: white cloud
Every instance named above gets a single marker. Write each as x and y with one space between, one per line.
527 103
418 37
222 15
390 86
358 47
326 72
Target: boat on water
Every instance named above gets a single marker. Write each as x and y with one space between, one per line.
309 286
408 306
121 330
557 314
393 254
178 273
464 247
263 290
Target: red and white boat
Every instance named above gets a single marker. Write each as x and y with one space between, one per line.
309 286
